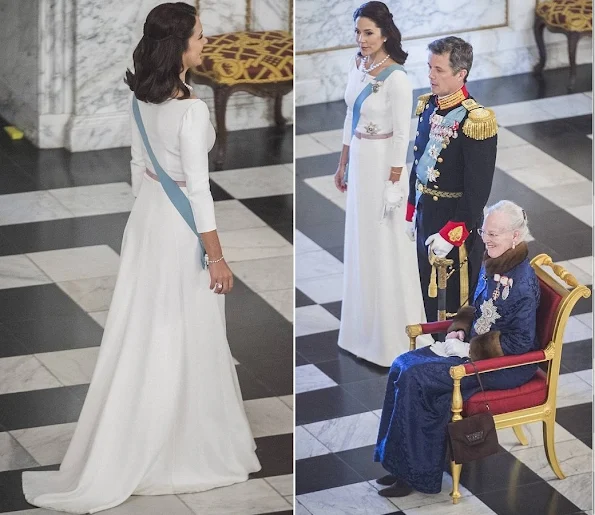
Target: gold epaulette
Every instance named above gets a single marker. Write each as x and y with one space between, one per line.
481 122
422 100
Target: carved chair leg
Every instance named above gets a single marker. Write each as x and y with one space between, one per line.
279 120
518 431
455 472
573 38
456 408
221 96
538 26
550 450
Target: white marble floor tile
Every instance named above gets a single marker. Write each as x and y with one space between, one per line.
584 263
249 498
520 113
306 446
580 275
275 273
33 206
524 156
98 199
47 444
18 270
588 94
355 499
281 300
12 455
576 331
569 195
310 377
314 319
24 373
307 146
344 433
282 484
232 215
269 416
77 263
471 505
583 213
540 177
573 455
317 264
258 243
573 390
417 499
534 434
508 139
151 505
70 367
287 400
255 182
565 106
586 376
586 318
323 289
578 489
93 294
300 509
304 244
333 140
100 317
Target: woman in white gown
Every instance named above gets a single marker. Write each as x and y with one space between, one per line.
164 412
381 288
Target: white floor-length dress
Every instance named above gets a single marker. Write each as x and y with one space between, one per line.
381 287
164 412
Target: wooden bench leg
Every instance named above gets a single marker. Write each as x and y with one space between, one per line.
573 38
279 120
538 27
221 94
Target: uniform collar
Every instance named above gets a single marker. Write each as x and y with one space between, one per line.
452 100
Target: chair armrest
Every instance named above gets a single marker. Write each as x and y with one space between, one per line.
510 361
428 328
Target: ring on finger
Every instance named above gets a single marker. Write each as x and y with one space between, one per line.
218 286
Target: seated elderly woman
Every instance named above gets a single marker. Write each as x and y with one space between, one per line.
412 437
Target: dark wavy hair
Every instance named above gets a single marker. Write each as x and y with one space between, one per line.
378 12
158 56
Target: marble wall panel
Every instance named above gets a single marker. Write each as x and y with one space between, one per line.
271 14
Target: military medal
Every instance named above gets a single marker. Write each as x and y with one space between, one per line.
496 292
506 291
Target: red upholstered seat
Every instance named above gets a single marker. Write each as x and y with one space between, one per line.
528 395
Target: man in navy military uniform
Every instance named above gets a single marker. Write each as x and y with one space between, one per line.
451 179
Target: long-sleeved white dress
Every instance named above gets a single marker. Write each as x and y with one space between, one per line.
381 288
164 412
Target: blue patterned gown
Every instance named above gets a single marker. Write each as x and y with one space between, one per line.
413 428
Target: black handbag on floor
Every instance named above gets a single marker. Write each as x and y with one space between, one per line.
474 437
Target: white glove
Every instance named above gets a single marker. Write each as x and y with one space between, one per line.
410 230
455 347
439 348
393 197
438 245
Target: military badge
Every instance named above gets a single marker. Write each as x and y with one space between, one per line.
489 314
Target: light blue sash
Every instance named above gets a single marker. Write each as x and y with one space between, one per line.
434 147
365 93
173 191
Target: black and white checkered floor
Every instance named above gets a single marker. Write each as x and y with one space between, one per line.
544 164
62 217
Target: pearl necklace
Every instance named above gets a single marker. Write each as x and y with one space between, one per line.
188 86
373 66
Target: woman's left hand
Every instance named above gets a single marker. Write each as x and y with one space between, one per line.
221 277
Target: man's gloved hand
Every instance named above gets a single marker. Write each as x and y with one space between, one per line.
455 347
438 245
393 197
410 230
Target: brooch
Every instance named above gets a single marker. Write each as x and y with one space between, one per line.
489 314
371 128
376 86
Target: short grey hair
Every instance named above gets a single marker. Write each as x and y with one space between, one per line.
517 218
461 53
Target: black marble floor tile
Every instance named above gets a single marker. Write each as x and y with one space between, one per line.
334 308
323 472
320 117
569 245
11 489
285 230
582 124
539 497
361 460
536 248
349 369
313 208
329 236
274 210
316 166
300 360
10 345
325 404
68 233
218 193
577 356
40 407
584 305
369 392
35 302
13 179
76 330
275 454
301 299
260 338
556 222
318 347
577 420
257 147
337 252
251 387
